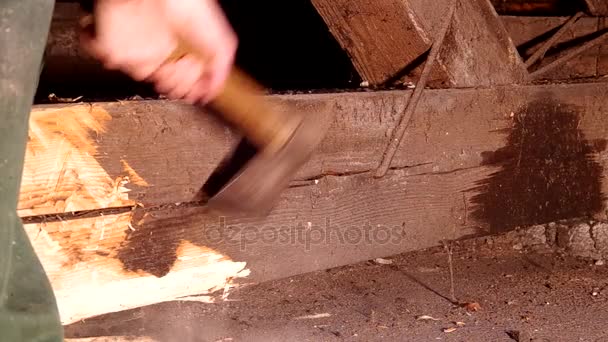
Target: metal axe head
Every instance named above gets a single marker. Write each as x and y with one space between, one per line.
252 178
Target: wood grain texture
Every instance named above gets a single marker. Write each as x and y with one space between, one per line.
386 38
478 51
476 162
528 34
382 37
118 262
597 7
80 258
160 152
602 63
113 339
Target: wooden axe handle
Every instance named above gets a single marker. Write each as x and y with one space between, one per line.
241 103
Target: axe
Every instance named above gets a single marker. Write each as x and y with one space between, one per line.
275 143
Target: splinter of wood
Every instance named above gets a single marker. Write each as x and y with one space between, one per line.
540 54
406 116
562 60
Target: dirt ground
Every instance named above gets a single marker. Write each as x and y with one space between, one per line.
522 296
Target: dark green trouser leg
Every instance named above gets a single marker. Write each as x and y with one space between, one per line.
28 310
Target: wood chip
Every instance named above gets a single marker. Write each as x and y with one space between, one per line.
449 330
474 306
322 315
55 98
426 318
460 324
382 261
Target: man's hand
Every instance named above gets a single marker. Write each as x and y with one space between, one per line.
137 36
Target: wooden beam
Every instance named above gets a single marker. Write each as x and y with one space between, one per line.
529 33
602 65
66 60
382 38
388 40
537 7
473 162
122 261
597 7
106 155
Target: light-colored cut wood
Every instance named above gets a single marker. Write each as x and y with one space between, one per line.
81 259
62 171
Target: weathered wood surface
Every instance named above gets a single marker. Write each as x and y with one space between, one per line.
387 40
597 7
472 162
602 65
123 261
478 51
91 156
64 57
529 33
382 38
81 259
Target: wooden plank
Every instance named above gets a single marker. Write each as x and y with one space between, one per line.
388 39
528 34
113 339
597 7
382 38
537 7
478 50
103 155
123 261
493 159
602 63
82 260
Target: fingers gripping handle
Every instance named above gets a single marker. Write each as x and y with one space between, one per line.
240 103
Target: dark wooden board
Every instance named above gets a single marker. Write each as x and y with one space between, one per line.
597 7
387 40
529 33
602 65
